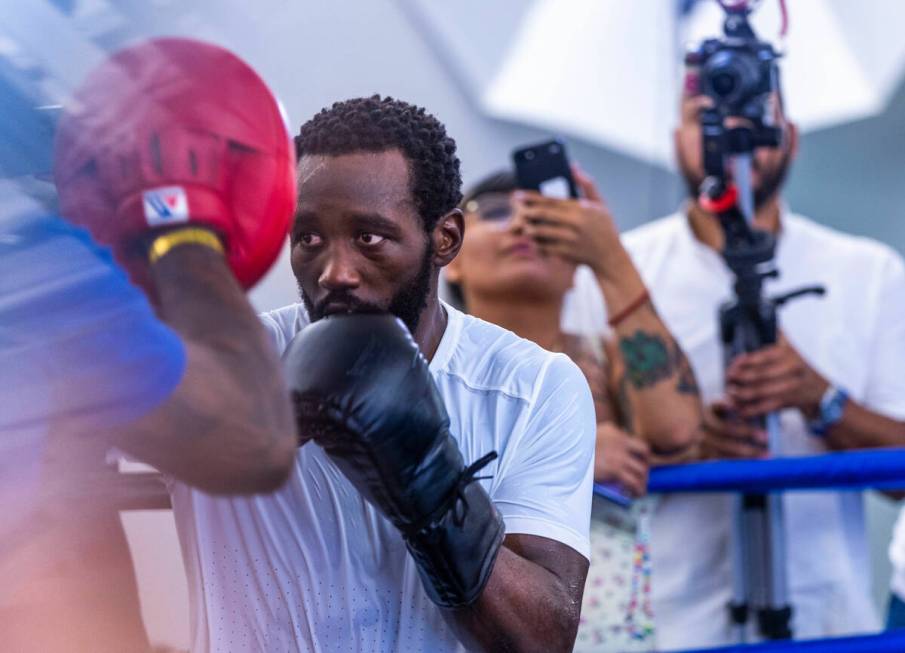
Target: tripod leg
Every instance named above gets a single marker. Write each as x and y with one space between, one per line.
774 619
738 607
774 613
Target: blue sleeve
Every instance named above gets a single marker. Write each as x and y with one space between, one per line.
78 342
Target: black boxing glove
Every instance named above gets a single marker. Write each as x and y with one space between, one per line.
362 390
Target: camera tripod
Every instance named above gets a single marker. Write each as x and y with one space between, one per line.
740 74
747 323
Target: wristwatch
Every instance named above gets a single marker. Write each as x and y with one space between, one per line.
832 405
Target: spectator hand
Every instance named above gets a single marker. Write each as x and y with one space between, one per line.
773 378
727 436
581 231
621 459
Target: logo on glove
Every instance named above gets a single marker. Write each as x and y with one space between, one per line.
165 206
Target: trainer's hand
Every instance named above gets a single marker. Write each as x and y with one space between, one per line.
170 133
771 379
621 459
581 231
363 391
727 436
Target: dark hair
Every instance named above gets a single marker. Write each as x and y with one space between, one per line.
501 181
378 124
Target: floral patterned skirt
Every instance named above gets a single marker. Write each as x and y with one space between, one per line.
616 612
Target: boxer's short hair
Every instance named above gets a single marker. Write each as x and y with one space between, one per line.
378 124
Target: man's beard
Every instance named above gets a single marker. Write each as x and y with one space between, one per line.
407 304
770 182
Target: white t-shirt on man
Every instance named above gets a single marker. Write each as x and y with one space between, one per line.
854 335
314 567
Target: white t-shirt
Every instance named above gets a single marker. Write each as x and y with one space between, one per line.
854 335
313 567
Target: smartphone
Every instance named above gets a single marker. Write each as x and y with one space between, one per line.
545 168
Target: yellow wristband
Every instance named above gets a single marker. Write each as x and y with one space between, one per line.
164 243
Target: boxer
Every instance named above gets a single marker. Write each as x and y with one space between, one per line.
440 499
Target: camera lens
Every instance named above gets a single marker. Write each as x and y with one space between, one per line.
731 76
529 155
723 83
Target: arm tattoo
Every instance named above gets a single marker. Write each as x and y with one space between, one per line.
649 359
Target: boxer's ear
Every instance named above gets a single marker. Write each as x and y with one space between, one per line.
447 236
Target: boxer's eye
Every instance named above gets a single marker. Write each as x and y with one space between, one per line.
370 239
310 239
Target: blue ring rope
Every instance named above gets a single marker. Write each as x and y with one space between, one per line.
852 470
889 642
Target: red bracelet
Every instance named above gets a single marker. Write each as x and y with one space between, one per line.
640 301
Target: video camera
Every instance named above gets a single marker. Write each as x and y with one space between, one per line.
740 73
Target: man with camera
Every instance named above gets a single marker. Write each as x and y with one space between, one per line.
833 377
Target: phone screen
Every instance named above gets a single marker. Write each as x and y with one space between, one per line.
557 187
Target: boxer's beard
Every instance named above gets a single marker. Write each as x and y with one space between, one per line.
407 304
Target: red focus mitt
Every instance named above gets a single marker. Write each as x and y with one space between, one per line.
175 132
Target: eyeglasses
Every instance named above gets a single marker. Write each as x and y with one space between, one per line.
491 207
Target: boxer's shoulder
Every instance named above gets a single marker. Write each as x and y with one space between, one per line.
490 358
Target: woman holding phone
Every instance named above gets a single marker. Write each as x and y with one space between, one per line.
521 252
